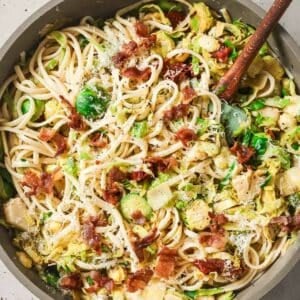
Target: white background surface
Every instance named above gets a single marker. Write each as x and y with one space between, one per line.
12 14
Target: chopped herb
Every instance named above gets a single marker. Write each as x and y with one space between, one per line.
295 146
267 181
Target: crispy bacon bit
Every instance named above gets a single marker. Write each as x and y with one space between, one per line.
186 135
47 135
210 265
176 112
138 280
138 217
166 262
188 94
98 140
139 176
130 48
76 122
243 153
217 220
90 236
121 57
215 240
113 194
222 54
175 17
98 220
287 223
115 175
99 282
224 268
141 29
71 282
159 164
176 71
134 73
148 42
38 184
140 244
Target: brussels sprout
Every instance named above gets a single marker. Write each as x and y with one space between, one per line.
164 44
52 64
264 50
139 129
259 142
51 276
131 203
71 167
203 292
167 6
7 189
257 104
203 19
196 215
92 102
39 108
60 38
233 119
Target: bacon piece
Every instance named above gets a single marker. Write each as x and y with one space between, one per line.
113 194
243 153
188 94
98 140
159 164
71 282
176 71
47 135
99 282
140 244
121 57
215 240
115 175
222 54
130 48
134 73
76 121
38 184
166 263
186 135
139 176
148 42
175 17
90 236
224 268
98 220
141 29
217 220
138 217
138 280
210 265
176 112
287 223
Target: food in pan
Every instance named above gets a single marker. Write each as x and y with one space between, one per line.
124 175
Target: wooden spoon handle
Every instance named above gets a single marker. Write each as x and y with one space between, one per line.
229 83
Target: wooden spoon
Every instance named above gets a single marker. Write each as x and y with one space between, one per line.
229 83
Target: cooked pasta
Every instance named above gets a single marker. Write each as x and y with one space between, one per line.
124 175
